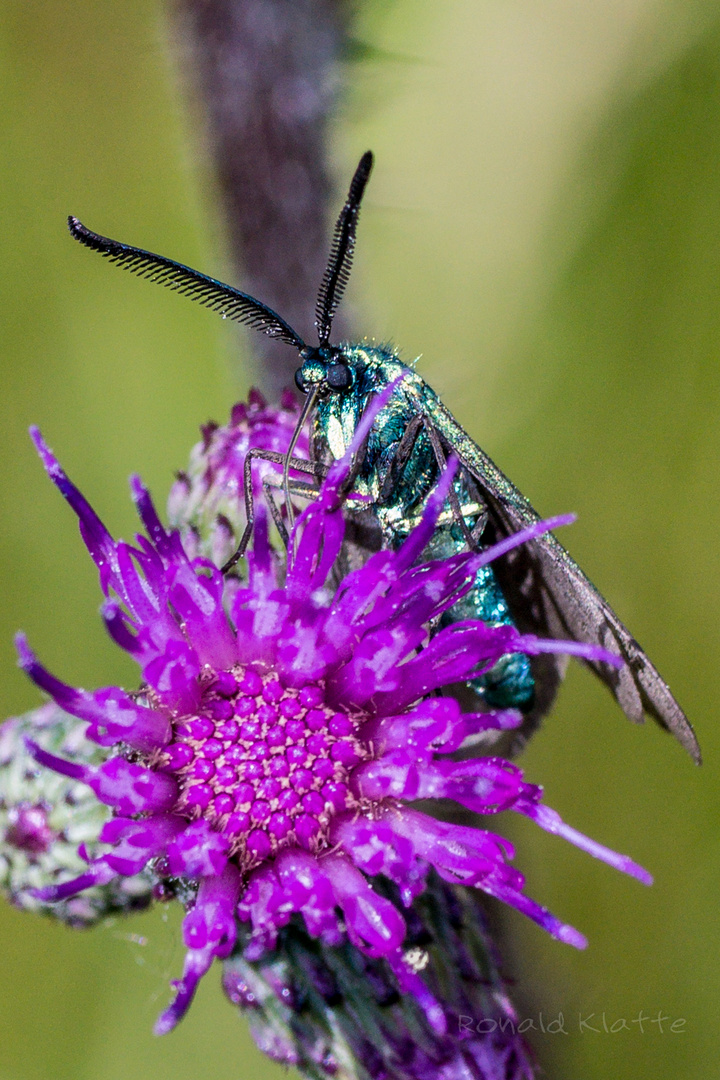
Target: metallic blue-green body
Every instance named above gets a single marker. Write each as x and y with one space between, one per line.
398 505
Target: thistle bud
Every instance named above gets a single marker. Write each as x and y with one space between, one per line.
47 819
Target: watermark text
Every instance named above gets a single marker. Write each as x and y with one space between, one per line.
599 1023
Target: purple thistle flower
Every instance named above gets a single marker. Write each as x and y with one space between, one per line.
271 754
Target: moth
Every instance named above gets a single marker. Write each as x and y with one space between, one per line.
538 587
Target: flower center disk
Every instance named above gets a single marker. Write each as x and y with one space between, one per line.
265 765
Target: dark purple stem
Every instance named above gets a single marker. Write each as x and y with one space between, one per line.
267 74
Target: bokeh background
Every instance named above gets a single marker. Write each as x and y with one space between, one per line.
544 228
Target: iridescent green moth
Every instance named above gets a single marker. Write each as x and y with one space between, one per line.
537 587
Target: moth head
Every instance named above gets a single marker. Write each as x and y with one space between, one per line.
324 370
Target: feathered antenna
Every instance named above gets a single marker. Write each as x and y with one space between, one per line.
229 302
337 272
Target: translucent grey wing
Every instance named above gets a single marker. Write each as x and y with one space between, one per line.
549 594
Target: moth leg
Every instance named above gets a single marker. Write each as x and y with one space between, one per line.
299 464
401 456
470 539
313 468
295 487
275 510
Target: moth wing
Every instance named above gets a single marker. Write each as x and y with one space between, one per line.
549 595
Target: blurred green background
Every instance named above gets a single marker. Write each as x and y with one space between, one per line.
544 228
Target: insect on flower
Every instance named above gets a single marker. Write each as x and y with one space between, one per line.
268 766
537 588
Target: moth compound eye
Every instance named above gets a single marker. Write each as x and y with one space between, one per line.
339 377
300 381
